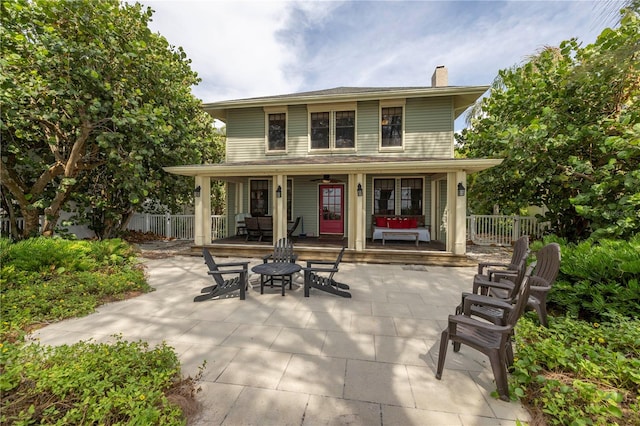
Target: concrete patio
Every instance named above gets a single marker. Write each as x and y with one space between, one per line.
322 360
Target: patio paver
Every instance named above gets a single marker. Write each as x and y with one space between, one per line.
274 360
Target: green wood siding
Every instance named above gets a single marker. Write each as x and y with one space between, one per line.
429 127
428 131
297 139
367 128
245 134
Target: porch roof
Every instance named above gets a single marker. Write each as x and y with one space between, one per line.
314 165
463 97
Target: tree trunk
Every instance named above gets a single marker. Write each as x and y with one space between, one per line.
31 223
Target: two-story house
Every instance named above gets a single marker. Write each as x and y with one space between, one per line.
343 158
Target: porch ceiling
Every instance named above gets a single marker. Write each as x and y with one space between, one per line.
329 164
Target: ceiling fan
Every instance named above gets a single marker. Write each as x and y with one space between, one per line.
326 179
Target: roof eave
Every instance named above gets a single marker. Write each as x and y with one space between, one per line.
424 166
464 97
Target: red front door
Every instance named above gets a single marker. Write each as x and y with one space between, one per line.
331 209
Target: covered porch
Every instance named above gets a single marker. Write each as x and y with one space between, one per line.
301 188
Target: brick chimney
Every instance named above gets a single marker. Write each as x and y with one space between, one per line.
440 77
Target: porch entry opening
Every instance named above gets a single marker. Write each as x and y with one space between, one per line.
331 209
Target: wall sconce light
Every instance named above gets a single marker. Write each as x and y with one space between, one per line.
359 190
461 190
279 192
196 191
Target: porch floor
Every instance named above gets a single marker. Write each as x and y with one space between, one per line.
327 247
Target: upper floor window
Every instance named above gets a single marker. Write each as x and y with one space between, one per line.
319 130
345 129
391 128
332 126
277 136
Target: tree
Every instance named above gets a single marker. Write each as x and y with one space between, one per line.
567 125
94 104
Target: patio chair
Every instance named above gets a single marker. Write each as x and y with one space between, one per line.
492 340
241 228
265 223
544 273
491 308
486 270
252 229
282 253
293 227
312 277
222 286
542 279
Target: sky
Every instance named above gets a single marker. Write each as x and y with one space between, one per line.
243 49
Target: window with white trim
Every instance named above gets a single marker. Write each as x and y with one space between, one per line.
332 127
277 136
411 196
391 127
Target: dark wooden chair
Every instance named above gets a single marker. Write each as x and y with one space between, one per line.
252 229
282 253
222 286
314 279
265 223
293 227
492 340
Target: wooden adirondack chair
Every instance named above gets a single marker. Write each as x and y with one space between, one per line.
222 286
282 253
313 277
492 340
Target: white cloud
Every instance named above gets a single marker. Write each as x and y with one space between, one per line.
245 49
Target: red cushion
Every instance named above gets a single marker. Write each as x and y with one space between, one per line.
413 223
405 223
381 222
395 223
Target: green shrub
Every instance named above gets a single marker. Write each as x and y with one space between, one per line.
597 278
576 372
49 279
92 383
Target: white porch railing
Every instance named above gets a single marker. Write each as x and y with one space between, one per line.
481 229
178 226
502 230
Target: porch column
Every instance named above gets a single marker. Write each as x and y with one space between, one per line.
279 207
202 230
357 213
456 218
239 204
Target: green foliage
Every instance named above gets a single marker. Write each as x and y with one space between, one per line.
566 124
94 104
577 372
89 383
49 279
597 278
